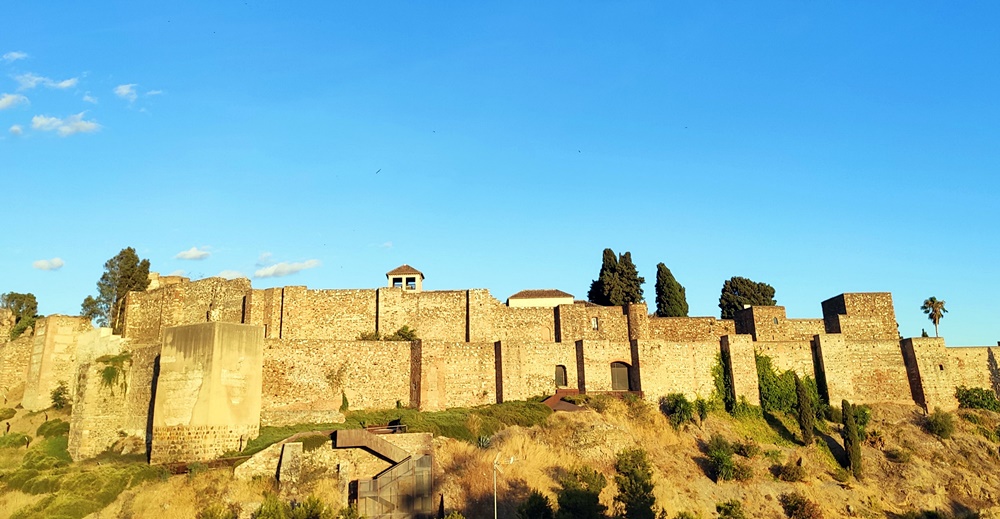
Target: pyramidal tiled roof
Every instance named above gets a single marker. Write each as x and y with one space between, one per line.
404 270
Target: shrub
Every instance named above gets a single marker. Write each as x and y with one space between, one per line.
972 418
742 471
537 506
720 455
314 441
747 449
677 408
777 389
7 413
841 476
806 411
792 471
940 424
897 455
702 407
53 428
731 509
686 515
219 511
988 434
635 485
14 440
977 398
579 496
796 506
60 395
344 405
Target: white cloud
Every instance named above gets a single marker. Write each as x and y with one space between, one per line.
265 259
284 269
29 81
194 253
386 245
52 264
231 274
154 92
178 272
11 100
89 98
64 127
16 130
14 56
126 92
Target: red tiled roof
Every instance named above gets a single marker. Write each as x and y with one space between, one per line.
545 293
404 270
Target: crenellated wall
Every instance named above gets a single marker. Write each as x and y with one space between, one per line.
149 313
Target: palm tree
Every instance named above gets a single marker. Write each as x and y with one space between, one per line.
935 311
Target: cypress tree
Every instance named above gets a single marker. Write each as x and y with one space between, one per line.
852 442
607 280
671 300
807 415
629 280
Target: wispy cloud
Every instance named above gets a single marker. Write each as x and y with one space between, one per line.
64 127
16 129
14 56
194 253
154 93
126 92
89 98
265 259
386 245
52 264
178 272
284 269
29 81
11 100
231 274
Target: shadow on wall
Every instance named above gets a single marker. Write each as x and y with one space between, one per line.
994 370
149 412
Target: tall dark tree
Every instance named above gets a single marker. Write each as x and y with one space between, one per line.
635 498
618 283
852 439
935 311
122 274
671 301
806 412
738 292
25 309
579 497
537 506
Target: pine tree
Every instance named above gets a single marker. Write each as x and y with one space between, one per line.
738 291
671 300
635 498
852 441
122 274
806 413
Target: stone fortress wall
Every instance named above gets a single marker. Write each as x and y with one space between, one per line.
293 355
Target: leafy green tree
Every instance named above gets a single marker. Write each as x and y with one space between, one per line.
579 496
806 413
122 274
635 498
25 310
671 300
738 291
852 440
537 506
935 311
618 282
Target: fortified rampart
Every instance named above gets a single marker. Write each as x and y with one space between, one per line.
207 362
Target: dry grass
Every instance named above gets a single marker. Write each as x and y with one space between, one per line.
13 501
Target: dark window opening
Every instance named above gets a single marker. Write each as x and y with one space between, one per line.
775 320
941 367
397 282
594 323
411 283
620 380
561 376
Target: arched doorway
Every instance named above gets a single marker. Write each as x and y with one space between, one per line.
620 377
561 380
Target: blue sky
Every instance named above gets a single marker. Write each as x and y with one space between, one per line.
823 149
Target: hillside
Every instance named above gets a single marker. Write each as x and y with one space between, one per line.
907 469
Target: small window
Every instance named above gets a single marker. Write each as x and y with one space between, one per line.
397 282
594 323
411 283
940 367
561 376
775 320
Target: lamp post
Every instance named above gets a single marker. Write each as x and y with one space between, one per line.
496 468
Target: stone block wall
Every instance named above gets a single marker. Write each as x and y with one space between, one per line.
685 329
677 367
575 323
304 375
149 313
789 355
930 372
455 374
593 362
769 323
738 356
208 392
975 367
340 315
6 323
14 359
437 316
863 371
527 369
866 316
